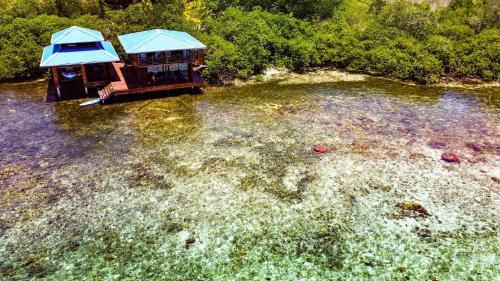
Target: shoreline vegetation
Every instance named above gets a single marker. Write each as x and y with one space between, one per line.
455 44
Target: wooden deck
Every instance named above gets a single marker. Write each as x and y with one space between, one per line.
128 83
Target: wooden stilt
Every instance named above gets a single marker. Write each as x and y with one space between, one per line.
55 78
84 77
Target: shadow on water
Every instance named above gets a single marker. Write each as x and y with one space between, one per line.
153 95
34 131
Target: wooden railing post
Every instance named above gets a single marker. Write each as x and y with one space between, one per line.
84 77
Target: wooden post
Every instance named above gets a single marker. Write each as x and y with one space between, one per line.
139 76
109 69
134 60
190 71
84 77
200 57
55 77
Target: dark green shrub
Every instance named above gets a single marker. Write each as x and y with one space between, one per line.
478 56
223 60
398 39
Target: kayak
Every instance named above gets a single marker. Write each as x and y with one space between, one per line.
90 102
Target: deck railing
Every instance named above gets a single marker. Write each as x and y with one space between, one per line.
180 58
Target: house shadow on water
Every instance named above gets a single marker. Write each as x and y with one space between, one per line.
153 95
72 89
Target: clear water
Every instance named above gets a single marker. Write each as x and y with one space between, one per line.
225 184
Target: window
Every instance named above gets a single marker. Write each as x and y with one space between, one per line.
80 45
155 69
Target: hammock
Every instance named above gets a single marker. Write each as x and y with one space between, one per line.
69 75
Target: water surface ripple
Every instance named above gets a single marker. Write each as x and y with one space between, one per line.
225 184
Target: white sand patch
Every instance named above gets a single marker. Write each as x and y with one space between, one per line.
321 76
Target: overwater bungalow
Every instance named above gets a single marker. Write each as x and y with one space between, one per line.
79 59
157 60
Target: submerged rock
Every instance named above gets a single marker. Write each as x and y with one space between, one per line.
412 209
478 159
450 157
190 241
288 109
417 156
423 232
474 147
366 120
437 144
320 149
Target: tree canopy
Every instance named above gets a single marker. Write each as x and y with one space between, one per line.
397 38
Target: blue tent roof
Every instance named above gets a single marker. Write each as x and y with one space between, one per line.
55 55
76 34
158 40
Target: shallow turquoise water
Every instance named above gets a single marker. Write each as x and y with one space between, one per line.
225 184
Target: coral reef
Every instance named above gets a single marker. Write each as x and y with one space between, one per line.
226 185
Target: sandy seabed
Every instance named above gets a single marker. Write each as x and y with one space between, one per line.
226 185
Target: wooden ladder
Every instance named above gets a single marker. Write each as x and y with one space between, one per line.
105 92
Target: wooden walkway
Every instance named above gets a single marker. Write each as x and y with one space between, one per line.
128 83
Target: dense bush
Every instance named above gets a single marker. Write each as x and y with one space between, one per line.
317 9
27 25
21 44
401 40
396 39
258 39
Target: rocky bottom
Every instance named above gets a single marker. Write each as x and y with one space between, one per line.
275 181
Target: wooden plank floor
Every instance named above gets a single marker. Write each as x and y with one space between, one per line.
121 84
128 83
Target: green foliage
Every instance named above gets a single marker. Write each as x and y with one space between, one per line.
317 9
21 42
401 40
416 20
478 56
396 39
27 25
256 40
223 59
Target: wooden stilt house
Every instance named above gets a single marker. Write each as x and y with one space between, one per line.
79 59
158 60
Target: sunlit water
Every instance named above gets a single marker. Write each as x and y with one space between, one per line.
225 184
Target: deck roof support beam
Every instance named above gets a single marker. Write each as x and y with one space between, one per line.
84 77
55 77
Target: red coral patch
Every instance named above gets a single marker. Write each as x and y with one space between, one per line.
450 157
320 149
